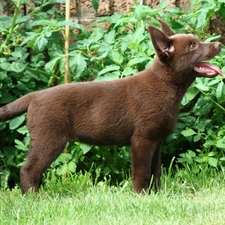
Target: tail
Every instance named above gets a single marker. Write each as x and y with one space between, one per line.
15 108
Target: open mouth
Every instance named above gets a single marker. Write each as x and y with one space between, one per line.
207 68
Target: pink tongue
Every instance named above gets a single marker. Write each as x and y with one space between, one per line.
207 68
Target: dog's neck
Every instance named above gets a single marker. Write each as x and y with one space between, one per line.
181 80
177 84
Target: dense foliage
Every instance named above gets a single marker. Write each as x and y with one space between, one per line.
32 58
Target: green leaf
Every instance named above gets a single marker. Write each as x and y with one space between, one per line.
191 154
188 132
64 157
137 61
17 67
116 57
141 11
4 77
213 82
222 9
20 145
219 90
5 22
95 4
220 143
4 65
17 54
202 87
23 130
108 69
190 95
45 23
142 47
212 161
107 170
21 86
129 71
202 18
211 154
212 38
123 47
72 166
51 65
62 169
97 34
85 147
41 42
104 49
110 37
74 25
208 143
2 125
222 158
5 97
16 122
197 138
139 34
31 37
109 76
77 64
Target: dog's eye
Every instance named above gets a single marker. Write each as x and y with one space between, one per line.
193 45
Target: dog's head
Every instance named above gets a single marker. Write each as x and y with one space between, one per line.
184 53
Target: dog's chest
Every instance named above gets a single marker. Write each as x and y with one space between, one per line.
156 119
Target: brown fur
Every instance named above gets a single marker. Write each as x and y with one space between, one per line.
139 111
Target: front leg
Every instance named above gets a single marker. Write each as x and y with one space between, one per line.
146 163
156 167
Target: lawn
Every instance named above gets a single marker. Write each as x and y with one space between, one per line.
189 196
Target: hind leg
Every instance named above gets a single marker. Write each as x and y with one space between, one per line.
43 151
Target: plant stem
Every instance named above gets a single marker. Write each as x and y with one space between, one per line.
67 43
12 25
220 106
216 103
41 71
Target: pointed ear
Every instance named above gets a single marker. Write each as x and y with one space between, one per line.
162 44
165 27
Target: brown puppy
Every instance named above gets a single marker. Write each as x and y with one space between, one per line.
139 111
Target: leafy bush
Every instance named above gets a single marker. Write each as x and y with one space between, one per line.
32 58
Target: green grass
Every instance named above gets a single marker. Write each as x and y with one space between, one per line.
189 196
